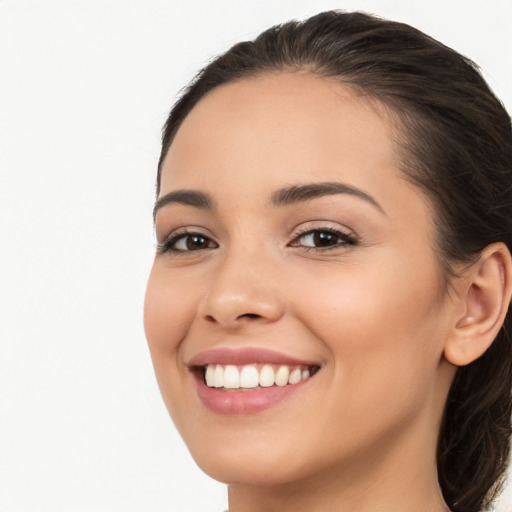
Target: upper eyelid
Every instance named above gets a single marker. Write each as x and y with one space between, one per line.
184 230
319 225
325 227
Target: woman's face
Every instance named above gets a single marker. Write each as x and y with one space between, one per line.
289 243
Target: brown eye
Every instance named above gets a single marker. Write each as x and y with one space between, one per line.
192 243
187 242
318 239
324 239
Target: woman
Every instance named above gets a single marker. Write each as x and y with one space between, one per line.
327 308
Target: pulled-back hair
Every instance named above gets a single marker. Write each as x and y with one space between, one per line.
457 147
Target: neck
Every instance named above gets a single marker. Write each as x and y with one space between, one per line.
395 478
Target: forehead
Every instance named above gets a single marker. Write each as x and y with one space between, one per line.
281 126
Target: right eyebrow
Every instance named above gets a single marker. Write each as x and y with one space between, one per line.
188 197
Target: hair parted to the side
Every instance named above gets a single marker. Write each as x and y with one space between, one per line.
457 146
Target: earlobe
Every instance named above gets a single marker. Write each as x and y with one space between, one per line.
484 303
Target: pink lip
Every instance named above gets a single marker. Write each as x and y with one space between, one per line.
246 356
244 402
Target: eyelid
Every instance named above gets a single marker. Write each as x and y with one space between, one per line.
349 236
321 224
166 244
168 232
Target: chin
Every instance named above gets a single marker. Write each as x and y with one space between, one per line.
256 469
249 455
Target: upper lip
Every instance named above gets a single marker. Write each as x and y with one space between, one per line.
243 356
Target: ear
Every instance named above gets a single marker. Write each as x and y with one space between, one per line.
484 300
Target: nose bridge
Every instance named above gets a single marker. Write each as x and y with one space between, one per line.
243 288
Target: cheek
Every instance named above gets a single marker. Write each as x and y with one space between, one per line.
168 307
383 326
167 310
367 302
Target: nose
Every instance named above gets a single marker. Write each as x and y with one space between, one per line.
242 292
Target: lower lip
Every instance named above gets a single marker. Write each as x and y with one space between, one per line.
245 402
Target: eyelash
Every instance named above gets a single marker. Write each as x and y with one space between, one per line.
345 239
169 245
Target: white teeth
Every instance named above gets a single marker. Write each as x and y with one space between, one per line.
248 377
266 376
209 376
295 376
282 375
218 377
231 377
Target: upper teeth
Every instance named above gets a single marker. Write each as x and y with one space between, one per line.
248 376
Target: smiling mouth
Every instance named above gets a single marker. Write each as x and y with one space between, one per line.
249 377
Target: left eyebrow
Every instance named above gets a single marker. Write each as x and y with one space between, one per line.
299 193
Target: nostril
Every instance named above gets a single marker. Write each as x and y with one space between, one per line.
248 315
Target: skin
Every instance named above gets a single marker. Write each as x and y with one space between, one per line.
361 434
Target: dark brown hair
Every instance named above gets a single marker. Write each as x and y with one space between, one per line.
458 148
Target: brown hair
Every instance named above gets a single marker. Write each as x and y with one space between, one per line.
458 149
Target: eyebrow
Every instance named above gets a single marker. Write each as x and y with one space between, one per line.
282 197
299 193
186 197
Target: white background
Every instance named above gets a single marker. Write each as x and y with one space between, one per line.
85 86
